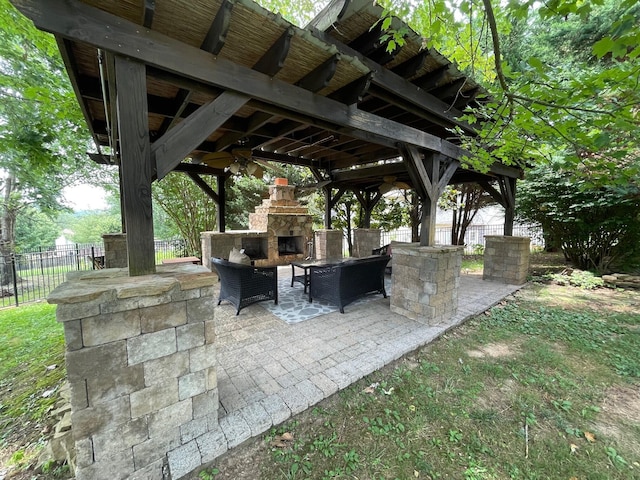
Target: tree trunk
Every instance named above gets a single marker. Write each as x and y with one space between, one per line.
7 231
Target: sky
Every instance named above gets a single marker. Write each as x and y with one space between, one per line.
85 197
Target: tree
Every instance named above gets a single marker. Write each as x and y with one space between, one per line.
464 200
597 228
190 209
42 143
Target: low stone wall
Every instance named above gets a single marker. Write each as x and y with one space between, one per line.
365 239
425 282
506 259
141 359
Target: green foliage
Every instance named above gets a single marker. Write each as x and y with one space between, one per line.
578 278
42 138
31 363
596 227
89 226
190 209
35 229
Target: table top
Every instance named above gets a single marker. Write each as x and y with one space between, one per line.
309 263
170 261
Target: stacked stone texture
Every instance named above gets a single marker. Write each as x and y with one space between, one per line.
328 244
115 250
280 215
506 259
141 366
425 282
366 239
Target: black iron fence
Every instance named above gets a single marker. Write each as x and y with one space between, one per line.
30 276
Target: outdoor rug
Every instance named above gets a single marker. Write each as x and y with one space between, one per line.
294 307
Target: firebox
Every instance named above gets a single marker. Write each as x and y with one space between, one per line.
290 245
255 247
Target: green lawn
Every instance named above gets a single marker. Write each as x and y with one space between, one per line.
31 371
544 386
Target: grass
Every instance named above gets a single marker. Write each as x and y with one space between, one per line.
532 389
31 369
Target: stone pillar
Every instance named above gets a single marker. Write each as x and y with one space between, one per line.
425 282
328 244
115 250
366 239
506 259
141 364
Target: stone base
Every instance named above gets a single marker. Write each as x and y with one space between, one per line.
328 244
506 259
141 365
366 239
425 282
115 250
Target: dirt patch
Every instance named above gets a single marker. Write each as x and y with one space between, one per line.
494 350
620 413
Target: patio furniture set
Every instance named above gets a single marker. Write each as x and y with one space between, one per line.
339 282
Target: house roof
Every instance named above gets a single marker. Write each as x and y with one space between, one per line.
328 96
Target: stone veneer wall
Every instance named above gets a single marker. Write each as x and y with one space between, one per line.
425 282
115 250
217 244
141 364
328 244
366 239
506 259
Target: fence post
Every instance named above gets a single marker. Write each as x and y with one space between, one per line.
93 257
41 264
15 278
78 256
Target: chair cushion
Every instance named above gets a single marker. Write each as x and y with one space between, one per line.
237 256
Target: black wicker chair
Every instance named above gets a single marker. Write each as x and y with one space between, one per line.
243 285
343 283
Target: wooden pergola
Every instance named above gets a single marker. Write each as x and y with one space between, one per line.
163 83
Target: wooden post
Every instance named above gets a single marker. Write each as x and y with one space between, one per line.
222 203
135 161
510 207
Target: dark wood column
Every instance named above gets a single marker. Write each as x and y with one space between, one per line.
506 197
430 175
222 203
367 200
135 164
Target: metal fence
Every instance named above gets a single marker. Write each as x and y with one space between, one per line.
473 239
30 276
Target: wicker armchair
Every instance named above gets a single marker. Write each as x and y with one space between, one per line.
243 285
343 283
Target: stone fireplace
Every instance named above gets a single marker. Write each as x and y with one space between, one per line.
280 230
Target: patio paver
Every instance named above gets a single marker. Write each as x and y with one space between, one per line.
269 370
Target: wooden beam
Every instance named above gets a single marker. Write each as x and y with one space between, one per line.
320 76
217 34
204 186
430 79
449 90
149 12
387 169
198 169
177 143
222 203
353 92
283 158
409 68
135 154
392 82
273 60
213 43
330 14
73 19
495 194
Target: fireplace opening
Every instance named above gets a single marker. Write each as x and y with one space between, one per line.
290 245
255 247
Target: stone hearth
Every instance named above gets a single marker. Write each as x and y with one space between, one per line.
279 231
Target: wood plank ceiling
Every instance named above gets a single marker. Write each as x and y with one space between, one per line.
168 85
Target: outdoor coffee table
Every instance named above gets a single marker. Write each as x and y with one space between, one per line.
305 265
